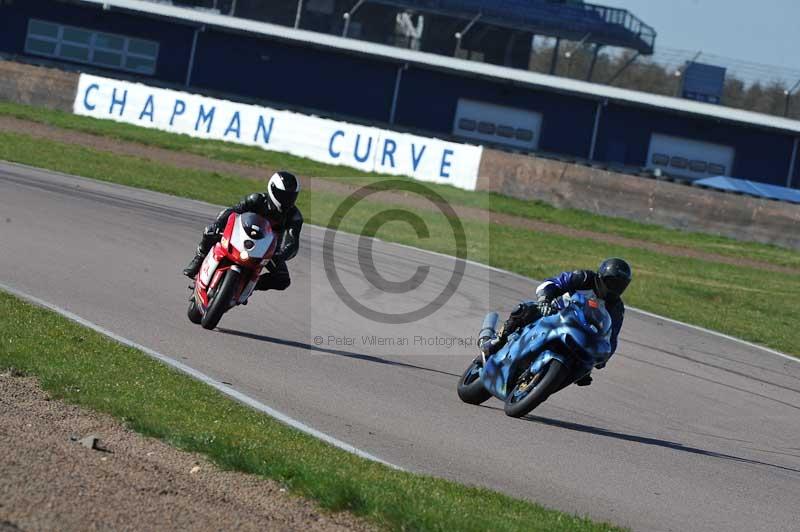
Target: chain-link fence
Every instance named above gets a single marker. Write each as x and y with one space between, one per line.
751 86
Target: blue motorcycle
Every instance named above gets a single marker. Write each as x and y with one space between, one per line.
541 358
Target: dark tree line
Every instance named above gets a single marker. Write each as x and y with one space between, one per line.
646 75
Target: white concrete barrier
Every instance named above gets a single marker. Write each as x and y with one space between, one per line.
328 141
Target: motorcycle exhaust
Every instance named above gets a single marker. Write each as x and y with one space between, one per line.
488 330
489 327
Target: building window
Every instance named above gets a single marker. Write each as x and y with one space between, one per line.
505 131
467 125
661 159
716 169
698 166
525 135
679 162
487 128
91 47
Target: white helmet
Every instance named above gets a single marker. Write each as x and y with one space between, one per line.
282 191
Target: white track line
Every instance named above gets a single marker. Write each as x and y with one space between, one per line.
225 389
718 334
634 309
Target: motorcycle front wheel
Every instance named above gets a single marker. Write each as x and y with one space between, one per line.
470 387
532 390
221 301
193 312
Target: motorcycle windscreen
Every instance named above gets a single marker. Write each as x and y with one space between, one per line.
596 342
597 316
254 235
254 226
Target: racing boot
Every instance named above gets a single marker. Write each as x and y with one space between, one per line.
210 237
194 266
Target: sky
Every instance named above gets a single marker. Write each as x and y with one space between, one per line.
766 31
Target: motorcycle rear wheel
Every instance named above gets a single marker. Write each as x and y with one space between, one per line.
521 401
470 386
221 301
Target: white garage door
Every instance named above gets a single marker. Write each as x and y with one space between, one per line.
689 158
497 124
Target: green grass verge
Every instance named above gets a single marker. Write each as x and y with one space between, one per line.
739 301
88 369
528 209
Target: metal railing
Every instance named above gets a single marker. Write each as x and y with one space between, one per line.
617 25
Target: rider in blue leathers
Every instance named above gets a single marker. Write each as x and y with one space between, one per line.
607 283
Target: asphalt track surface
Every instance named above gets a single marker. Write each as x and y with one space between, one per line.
683 430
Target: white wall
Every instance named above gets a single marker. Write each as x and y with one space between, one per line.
328 141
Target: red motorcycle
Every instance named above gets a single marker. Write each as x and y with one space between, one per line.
231 269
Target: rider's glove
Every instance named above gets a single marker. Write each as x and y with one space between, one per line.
488 345
277 258
546 308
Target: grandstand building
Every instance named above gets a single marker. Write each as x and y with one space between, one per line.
400 88
499 32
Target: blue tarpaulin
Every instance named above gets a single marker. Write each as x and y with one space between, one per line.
743 186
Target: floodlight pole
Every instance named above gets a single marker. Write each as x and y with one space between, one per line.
624 67
347 16
459 35
581 42
597 47
570 53
789 97
298 14
554 58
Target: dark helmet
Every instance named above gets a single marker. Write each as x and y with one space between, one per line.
613 277
282 191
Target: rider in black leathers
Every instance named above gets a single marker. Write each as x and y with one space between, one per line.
277 205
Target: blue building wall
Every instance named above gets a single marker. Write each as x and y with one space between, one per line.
361 88
294 75
174 40
625 131
428 101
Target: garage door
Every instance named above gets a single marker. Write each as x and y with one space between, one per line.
496 124
693 159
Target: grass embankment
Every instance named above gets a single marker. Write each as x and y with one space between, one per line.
735 300
534 210
88 369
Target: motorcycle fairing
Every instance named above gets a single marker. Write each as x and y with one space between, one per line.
567 337
210 264
263 244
